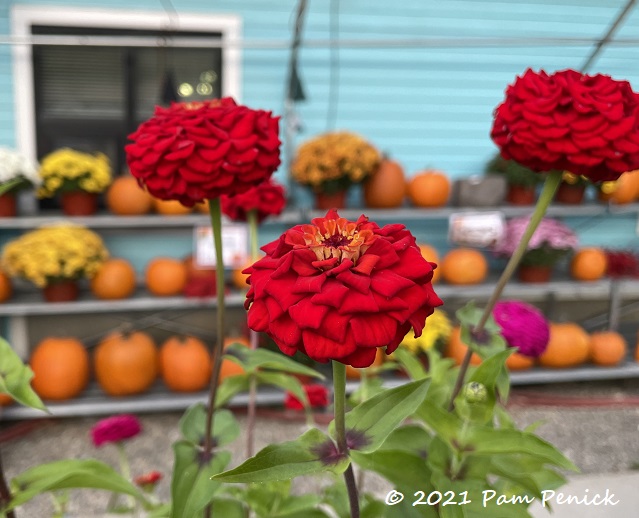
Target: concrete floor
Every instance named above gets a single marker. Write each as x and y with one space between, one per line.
602 441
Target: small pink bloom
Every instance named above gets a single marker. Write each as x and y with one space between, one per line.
148 479
115 429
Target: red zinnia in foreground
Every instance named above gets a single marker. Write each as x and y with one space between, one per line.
588 125
115 429
196 151
267 198
337 290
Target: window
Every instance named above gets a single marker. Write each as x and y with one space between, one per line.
90 97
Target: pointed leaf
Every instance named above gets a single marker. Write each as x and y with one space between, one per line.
412 438
410 363
192 425
406 471
286 382
70 474
270 360
377 417
445 424
286 461
230 387
15 378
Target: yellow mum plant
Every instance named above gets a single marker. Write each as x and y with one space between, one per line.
434 335
333 161
68 170
57 252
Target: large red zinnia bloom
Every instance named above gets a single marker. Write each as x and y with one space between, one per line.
588 125
267 198
337 290
196 151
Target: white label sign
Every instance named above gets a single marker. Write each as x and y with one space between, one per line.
234 245
476 229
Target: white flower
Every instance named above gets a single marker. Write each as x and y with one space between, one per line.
14 165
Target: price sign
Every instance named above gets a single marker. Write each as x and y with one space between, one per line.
476 229
234 246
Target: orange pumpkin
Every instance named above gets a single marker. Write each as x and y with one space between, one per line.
202 207
387 187
464 266
125 197
6 288
589 264
569 345
430 254
519 362
165 276
429 189
185 364
170 207
238 278
626 188
607 348
114 280
60 367
456 349
353 373
126 363
230 368
6 400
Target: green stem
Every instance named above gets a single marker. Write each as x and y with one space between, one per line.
545 198
251 217
216 224
125 469
339 409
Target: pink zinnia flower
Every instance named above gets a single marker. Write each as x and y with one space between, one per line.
115 429
523 326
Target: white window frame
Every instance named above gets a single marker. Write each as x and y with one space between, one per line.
24 17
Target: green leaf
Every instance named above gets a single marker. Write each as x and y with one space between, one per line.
410 363
373 509
406 471
527 472
285 461
299 507
230 387
286 382
253 359
411 438
491 342
192 425
444 424
489 441
70 474
368 387
377 417
191 485
15 378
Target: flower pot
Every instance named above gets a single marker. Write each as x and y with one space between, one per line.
61 291
8 205
570 194
325 201
79 203
534 273
521 195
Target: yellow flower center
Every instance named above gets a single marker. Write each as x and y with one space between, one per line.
337 238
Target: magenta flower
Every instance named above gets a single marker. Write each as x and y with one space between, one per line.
115 429
523 326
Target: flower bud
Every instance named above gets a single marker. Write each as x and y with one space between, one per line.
475 392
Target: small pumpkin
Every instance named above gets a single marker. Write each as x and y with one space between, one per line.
238 278
607 348
462 266
114 280
170 207
569 346
230 368
353 373
6 400
185 364
429 188
203 207
60 368
126 363
386 188
6 288
165 276
125 197
589 264
431 255
519 362
626 189
456 349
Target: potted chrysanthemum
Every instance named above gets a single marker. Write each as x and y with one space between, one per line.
522 182
77 177
54 258
16 172
551 241
330 163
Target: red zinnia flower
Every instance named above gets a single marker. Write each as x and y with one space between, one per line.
115 429
588 125
148 479
337 290
268 198
316 393
196 151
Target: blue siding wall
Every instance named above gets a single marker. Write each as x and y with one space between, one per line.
428 106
